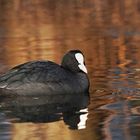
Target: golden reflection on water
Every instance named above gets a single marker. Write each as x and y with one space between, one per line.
48 131
106 31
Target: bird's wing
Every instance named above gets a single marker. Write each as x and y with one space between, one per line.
36 71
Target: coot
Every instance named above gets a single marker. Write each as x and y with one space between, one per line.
47 78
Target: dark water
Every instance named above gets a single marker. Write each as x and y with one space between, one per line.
108 33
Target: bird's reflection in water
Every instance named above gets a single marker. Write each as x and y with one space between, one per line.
44 109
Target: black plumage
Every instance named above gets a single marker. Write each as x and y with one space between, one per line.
46 77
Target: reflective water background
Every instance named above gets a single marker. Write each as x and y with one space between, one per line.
108 33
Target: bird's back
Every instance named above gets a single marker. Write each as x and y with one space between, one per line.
32 74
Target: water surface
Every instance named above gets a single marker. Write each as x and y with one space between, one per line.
108 33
